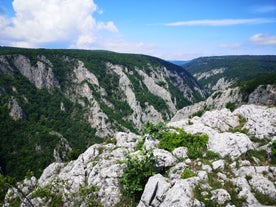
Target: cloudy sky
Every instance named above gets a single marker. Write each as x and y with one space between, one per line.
169 29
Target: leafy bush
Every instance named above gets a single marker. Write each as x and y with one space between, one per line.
153 129
187 173
135 176
196 144
231 106
211 155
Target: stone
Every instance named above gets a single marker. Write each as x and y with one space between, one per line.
218 165
264 186
263 95
154 192
150 143
180 152
163 158
126 139
221 196
16 112
260 120
181 194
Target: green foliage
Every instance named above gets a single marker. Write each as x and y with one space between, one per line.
273 148
6 182
50 194
241 68
264 199
200 112
187 173
231 106
89 196
135 176
210 155
196 144
154 130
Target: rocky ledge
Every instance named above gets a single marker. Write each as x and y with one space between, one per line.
235 170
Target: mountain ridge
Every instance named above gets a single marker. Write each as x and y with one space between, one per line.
83 95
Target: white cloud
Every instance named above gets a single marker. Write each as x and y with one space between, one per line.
230 46
265 9
263 39
220 22
37 22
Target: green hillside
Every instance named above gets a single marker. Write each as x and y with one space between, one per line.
82 113
209 70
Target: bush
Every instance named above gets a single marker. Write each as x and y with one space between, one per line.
231 106
187 173
196 144
135 176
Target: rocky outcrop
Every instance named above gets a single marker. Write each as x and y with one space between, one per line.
263 95
218 100
16 112
214 179
158 90
41 74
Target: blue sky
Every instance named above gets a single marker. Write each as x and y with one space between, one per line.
169 29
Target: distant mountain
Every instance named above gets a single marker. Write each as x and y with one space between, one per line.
220 72
179 62
56 103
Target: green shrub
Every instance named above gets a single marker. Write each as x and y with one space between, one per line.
135 176
231 106
187 173
211 155
196 143
153 129
273 148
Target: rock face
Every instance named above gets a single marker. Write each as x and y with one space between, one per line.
230 178
41 75
217 100
16 112
263 95
118 98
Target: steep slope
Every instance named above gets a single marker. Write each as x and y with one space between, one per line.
235 168
49 96
215 73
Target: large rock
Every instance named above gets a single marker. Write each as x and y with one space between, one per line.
181 194
260 120
154 192
263 95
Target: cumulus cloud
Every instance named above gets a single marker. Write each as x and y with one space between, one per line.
220 22
38 22
263 39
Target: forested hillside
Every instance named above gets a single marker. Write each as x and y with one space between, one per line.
56 103
220 72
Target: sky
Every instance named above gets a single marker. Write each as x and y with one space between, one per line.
169 29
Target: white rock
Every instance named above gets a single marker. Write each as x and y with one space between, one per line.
181 194
126 139
218 165
263 186
260 120
203 175
245 192
222 119
230 144
180 152
221 196
150 143
207 168
154 191
49 173
163 158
